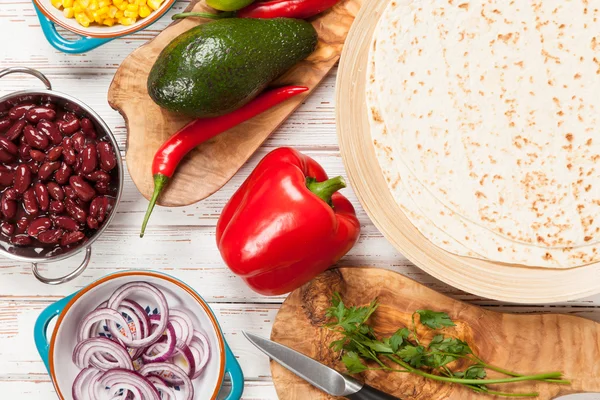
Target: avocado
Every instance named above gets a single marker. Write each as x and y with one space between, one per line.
215 68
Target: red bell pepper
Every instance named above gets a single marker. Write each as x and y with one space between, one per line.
286 223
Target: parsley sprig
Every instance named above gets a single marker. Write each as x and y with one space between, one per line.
404 352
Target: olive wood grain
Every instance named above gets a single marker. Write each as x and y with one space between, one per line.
206 169
506 282
521 343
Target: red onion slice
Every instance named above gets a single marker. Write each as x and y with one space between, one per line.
166 392
84 351
86 326
200 345
157 368
184 327
165 351
124 379
133 287
83 381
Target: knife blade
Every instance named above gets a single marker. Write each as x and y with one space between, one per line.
580 396
317 374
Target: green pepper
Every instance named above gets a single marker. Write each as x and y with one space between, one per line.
228 5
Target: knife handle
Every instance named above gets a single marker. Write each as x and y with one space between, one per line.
370 393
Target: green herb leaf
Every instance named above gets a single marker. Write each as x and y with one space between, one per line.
476 371
414 355
434 319
399 338
353 363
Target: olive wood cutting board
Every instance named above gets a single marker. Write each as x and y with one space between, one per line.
206 169
521 343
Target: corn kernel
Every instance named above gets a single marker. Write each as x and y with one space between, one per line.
132 7
109 22
112 11
68 3
126 21
123 6
119 15
103 11
77 7
140 2
104 3
154 4
145 11
68 12
117 2
57 3
84 3
83 19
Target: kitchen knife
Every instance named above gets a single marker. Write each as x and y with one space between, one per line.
580 396
317 374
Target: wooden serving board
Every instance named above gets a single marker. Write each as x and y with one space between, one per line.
211 164
521 343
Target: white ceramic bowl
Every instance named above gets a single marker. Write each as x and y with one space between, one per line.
57 354
55 15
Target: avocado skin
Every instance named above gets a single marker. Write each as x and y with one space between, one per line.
216 68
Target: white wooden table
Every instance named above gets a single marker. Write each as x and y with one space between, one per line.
180 241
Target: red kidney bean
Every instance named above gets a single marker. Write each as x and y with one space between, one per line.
15 130
63 174
99 208
9 207
50 130
77 166
66 223
35 138
55 191
68 127
22 225
34 166
89 158
37 155
98 176
75 211
25 151
21 240
102 187
92 223
51 236
39 225
47 169
29 202
78 141
54 153
50 105
5 123
69 156
18 111
83 189
71 237
69 116
42 196
38 113
108 160
22 178
69 192
87 126
11 194
7 228
7 177
8 145
56 207
6 157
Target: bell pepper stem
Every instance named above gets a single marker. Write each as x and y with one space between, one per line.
324 190
204 15
160 181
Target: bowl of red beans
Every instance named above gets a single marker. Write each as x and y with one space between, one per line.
61 177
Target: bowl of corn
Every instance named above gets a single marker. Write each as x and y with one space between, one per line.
96 21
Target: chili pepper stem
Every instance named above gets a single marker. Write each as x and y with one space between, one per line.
326 189
204 15
160 181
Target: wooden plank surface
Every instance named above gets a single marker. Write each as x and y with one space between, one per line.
180 241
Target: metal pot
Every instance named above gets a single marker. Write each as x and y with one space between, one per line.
35 255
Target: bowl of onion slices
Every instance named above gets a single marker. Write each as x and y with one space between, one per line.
136 336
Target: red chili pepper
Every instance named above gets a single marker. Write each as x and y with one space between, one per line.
286 223
170 154
300 9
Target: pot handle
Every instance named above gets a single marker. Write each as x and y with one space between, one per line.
236 376
40 329
30 71
82 45
66 278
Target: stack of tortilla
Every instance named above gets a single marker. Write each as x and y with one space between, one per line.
484 117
